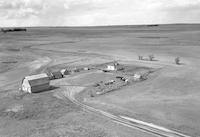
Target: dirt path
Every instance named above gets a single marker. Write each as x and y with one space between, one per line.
70 92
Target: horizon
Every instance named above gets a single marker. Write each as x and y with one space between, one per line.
100 25
18 13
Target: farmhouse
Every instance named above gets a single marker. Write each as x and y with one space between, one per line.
111 67
115 66
35 83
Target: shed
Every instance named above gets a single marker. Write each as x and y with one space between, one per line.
86 68
63 71
137 77
57 75
35 83
67 72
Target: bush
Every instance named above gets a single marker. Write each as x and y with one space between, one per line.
177 61
151 57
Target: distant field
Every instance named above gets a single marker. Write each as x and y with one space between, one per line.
170 98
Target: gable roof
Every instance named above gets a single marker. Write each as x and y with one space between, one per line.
57 73
34 77
39 79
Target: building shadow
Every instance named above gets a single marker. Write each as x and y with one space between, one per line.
50 89
154 60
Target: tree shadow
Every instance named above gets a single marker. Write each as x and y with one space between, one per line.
147 59
179 64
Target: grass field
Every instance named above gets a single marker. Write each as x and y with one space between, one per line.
170 97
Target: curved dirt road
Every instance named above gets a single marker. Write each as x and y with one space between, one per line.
126 121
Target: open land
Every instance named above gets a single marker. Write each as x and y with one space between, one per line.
169 97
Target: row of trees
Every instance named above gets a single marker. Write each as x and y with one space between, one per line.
152 58
5 30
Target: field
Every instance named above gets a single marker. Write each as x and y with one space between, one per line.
169 97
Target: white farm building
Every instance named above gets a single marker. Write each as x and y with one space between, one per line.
35 83
111 67
137 77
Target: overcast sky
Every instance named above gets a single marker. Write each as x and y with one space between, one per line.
97 12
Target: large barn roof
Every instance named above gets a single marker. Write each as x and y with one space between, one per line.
39 79
34 77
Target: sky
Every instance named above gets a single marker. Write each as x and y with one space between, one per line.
16 13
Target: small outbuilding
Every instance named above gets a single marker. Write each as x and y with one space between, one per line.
63 71
67 72
86 68
57 75
35 83
137 77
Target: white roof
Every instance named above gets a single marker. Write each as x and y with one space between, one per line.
137 75
39 76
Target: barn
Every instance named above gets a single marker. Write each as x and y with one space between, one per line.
35 83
